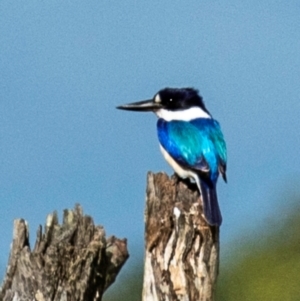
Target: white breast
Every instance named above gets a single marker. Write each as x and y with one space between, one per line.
184 115
182 172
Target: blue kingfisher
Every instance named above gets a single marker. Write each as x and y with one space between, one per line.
190 140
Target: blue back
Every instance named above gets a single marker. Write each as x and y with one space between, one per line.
197 144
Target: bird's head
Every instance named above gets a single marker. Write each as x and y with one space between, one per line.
172 104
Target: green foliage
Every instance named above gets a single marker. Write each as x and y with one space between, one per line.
270 269
128 286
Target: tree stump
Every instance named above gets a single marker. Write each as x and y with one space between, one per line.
182 250
71 262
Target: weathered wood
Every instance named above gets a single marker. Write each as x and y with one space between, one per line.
182 250
70 262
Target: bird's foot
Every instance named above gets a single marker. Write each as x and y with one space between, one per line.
186 181
176 178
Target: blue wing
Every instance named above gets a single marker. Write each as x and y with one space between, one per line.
198 144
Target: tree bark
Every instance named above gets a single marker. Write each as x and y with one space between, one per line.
182 250
70 262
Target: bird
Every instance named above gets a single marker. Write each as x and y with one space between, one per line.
190 140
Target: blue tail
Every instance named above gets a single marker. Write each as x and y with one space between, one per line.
211 208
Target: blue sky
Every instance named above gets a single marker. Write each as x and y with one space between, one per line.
65 65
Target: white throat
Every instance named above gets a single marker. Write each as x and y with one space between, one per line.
185 115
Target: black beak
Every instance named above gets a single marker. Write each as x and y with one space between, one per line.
141 106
